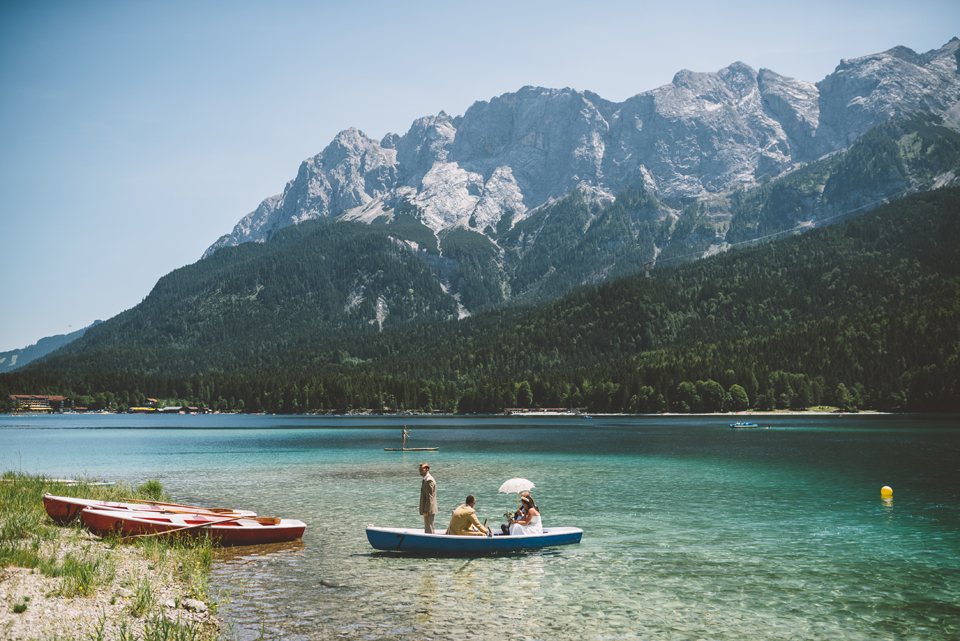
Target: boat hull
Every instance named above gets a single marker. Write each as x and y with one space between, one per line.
414 540
64 509
238 531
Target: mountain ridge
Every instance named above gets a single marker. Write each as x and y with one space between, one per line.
862 314
699 136
327 279
15 358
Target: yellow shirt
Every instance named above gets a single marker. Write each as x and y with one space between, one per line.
463 517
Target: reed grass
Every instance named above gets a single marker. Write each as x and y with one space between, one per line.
192 557
24 527
160 628
81 574
143 599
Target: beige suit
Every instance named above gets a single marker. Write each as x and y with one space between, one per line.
463 517
428 502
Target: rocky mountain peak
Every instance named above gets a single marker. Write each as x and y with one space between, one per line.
704 133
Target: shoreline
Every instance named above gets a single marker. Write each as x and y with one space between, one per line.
109 609
531 412
63 582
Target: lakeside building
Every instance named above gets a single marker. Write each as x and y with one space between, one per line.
41 403
511 411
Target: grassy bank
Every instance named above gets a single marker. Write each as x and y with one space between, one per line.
62 582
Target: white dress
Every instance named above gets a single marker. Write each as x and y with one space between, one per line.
535 527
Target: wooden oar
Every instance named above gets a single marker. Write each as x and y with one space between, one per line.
188 527
200 511
263 520
208 509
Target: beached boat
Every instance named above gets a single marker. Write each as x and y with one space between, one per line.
224 530
397 539
743 425
64 509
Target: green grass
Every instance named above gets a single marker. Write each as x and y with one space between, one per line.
143 599
21 502
152 489
160 628
82 574
25 526
192 556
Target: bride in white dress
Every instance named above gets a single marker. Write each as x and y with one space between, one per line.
530 523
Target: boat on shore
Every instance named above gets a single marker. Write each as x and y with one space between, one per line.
736 425
226 531
64 509
396 539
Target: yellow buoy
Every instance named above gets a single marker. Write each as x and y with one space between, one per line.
886 490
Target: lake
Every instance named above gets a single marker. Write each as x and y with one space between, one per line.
691 529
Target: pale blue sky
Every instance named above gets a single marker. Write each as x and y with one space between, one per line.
134 134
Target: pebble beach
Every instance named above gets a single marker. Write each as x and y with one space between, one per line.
118 605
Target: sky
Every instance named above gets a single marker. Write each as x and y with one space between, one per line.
133 134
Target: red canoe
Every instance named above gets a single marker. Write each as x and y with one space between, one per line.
225 530
64 509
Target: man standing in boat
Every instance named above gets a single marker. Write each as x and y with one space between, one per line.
428 498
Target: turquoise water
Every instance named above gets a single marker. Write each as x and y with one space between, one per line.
692 530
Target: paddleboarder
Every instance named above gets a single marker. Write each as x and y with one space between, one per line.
428 498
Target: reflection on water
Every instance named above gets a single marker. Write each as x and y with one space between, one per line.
692 530
244 554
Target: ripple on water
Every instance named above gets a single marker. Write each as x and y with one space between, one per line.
692 530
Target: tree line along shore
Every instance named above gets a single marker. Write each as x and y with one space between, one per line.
859 315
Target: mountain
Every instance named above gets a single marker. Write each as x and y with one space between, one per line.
325 280
701 136
370 270
13 359
860 314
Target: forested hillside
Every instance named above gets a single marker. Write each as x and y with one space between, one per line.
295 290
325 280
862 314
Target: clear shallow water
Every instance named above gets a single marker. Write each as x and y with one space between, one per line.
692 530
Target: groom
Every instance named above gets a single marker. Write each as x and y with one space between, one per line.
428 498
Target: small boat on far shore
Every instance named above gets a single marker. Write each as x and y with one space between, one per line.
744 425
64 509
224 530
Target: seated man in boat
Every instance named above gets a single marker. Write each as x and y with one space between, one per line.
464 521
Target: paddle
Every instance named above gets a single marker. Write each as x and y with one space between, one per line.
206 509
188 527
262 520
203 511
